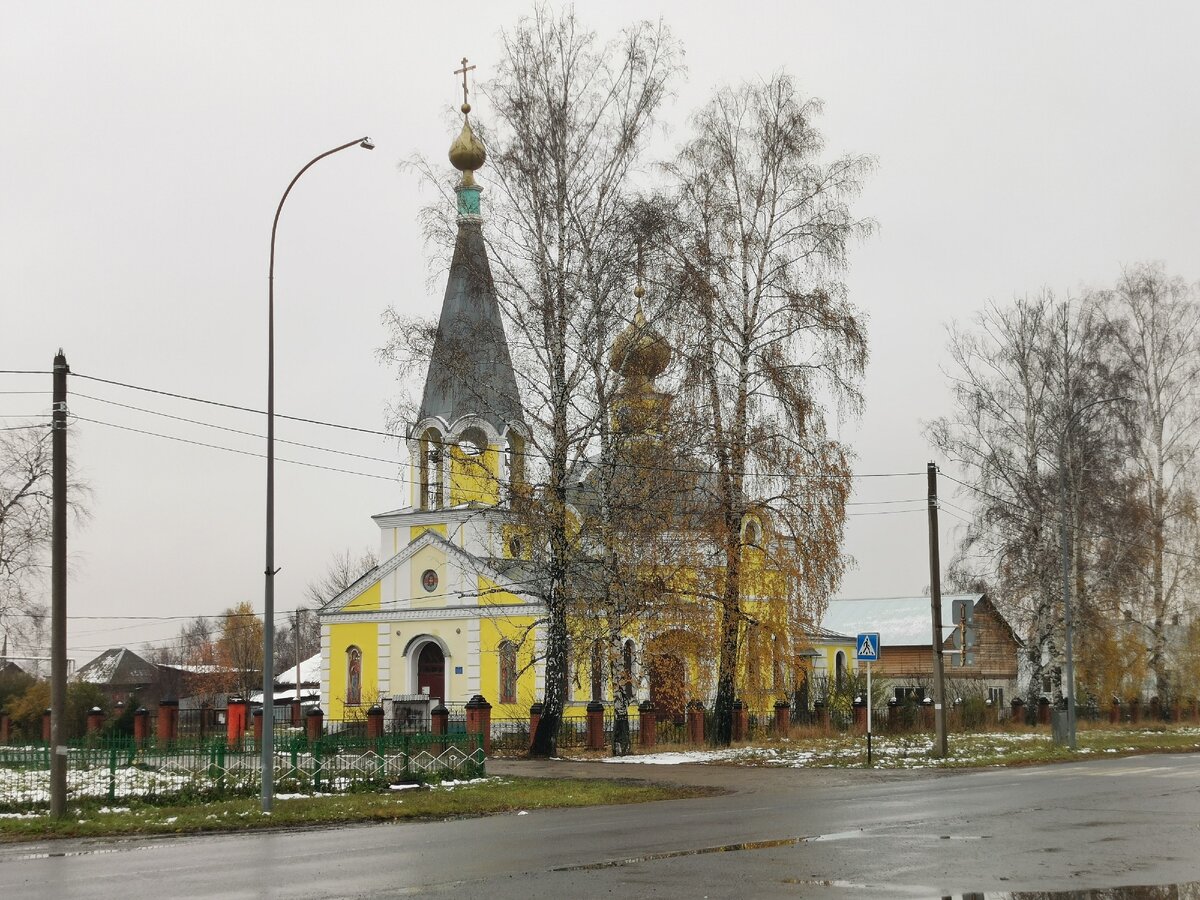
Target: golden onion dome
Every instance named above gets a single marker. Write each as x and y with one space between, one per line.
639 350
467 153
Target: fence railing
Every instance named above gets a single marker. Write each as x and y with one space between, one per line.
118 769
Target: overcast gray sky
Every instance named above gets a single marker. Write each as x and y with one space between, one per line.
144 147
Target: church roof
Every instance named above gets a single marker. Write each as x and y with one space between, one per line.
471 371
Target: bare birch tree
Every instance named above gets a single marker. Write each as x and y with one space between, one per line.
768 338
1157 320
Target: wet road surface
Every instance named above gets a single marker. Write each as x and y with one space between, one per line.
831 833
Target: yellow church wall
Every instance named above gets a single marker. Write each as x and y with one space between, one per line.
343 636
427 558
492 632
453 634
475 478
367 600
417 530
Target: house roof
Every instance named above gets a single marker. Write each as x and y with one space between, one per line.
899 621
117 666
310 672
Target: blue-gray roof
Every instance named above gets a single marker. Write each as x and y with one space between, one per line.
471 371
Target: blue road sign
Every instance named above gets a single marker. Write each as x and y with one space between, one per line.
868 647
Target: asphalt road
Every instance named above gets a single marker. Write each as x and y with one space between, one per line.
778 833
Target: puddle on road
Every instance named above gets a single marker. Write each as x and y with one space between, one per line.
1186 891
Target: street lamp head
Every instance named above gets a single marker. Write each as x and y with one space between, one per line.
367 144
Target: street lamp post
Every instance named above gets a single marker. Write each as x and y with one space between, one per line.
268 697
1064 541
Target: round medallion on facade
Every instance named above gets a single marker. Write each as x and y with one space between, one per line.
429 580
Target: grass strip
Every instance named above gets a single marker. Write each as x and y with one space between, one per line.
484 797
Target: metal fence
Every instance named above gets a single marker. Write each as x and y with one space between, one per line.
118 769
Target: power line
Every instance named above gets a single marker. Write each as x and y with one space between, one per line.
25 372
1018 511
295 462
240 431
527 452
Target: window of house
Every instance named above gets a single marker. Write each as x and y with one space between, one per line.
996 696
508 672
910 694
1046 687
353 676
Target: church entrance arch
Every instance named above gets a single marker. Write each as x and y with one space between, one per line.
431 671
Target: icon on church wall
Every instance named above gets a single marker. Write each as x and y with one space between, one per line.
429 580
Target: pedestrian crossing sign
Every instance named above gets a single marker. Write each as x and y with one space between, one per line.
868 647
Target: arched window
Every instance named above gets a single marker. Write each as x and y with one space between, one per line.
508 672
353 676
431 469
752 532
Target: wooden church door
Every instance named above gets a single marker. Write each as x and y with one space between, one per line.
431 671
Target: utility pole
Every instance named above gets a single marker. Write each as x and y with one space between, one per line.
296 635
58 592
935 600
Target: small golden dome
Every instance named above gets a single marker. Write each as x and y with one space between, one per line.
467 153
640 351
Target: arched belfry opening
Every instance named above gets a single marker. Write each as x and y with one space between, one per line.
431 469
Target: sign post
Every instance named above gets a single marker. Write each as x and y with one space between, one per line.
867 650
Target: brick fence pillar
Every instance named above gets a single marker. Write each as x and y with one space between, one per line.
1043 711
783 716
5 727
1155 709
314 724
375 722
595 725
740 721
141 725
439 719
1018 711
647 724
297 713
168 721
695 722
95 720
257 716
235 721
927 722
860 716
1135 711
479 720
535 716
46 725
1114 712
1176 712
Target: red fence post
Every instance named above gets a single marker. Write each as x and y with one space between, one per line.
168 721
647 724
141 725
535 716
1135 710
257 715
595 725
783 717
479 720
5 727
695 722
1114 712
739 721
375 722
46 726
314 724
95 720
235 722
296 712
439 719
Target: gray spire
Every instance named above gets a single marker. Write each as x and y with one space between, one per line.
470 371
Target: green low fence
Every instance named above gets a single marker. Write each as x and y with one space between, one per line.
119 769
